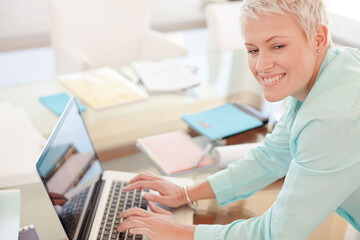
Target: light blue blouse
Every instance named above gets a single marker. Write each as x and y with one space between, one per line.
316 145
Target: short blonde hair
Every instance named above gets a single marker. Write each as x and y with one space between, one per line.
310 14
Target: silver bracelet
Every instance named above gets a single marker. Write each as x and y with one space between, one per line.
193 205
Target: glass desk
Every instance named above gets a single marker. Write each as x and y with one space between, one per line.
224 77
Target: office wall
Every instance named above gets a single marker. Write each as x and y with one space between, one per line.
345 21
345 30
25 23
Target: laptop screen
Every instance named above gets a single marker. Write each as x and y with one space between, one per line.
68 166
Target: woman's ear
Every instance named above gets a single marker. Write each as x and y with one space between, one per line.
321 38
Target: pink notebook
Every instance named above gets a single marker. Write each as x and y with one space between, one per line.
174 152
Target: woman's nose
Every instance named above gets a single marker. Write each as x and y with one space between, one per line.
264 62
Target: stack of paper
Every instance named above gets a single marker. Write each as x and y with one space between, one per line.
102 88
165 76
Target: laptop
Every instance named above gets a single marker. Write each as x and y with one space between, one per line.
87 199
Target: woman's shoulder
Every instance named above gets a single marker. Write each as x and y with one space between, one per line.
348 51
336 91
332 105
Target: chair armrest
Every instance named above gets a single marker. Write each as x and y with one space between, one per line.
157 46
70 60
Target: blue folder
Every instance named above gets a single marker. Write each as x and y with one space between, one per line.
222 121
57 103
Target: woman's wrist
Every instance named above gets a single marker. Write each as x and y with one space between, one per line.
192 204
190 191
181 197
200 191
190 194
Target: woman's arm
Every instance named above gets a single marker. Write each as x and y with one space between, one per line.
322 176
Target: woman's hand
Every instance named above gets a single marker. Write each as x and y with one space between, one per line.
158 224
170 194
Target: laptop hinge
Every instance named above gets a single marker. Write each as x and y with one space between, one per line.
91 210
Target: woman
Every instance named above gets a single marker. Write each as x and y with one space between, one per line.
316 144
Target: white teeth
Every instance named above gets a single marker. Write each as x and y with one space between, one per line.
273 79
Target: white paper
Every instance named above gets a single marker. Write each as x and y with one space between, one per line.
165 76
20 147
227 154
9 214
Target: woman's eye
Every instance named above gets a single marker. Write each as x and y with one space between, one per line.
279 46
252 51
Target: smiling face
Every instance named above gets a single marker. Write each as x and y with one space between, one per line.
280 56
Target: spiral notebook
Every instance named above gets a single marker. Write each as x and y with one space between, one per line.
174 153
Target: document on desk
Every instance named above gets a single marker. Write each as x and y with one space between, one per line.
165 76
102 88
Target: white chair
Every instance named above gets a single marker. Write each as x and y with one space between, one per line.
223 23
88 34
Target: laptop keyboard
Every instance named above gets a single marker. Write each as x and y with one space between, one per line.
117 202
71 211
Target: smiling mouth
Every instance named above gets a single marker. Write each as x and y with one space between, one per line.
273 79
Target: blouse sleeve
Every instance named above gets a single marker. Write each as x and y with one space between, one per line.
322 175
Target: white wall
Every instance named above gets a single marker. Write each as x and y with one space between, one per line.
345 21
25 23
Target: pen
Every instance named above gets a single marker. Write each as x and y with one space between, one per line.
203 154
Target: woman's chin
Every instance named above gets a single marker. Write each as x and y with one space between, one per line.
274 97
